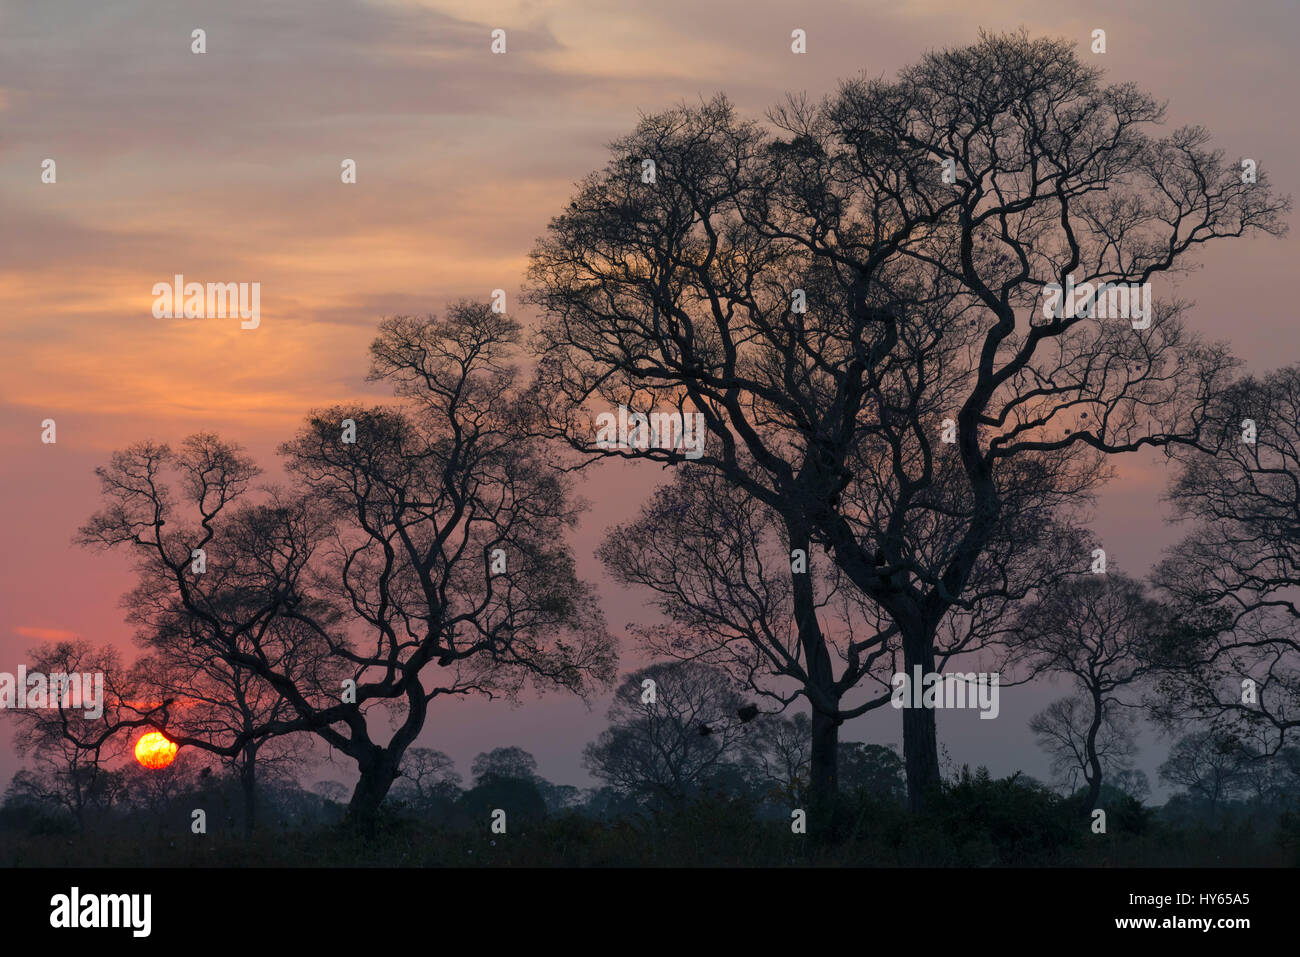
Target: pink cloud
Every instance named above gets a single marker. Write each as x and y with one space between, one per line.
45 634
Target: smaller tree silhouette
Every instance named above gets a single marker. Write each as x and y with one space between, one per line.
1064 729
429 780
665 749
507 762
72 754
1105 634
1239 565
380 555
777 757
1209 765
872 768
331 791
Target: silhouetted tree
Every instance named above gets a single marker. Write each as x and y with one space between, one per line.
777 755
722 568
719 565
218 700
71 753
559 797
429 780
495 770
330 791
873 768
386 552
520 798
158 793
665 741
508 762
1105 633
1239 567
924 301
1082 741
1130 781
1208 764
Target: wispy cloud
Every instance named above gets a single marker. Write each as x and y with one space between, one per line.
44 634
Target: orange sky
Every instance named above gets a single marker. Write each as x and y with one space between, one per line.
225 167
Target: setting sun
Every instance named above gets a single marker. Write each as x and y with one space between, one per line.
154 751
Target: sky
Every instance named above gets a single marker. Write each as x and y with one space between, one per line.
225 166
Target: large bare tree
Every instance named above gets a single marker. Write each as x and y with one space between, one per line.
787 624
829 287
418 552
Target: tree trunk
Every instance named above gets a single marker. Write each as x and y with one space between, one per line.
248 785
381 766
920 734
378 772
823 784
1094 762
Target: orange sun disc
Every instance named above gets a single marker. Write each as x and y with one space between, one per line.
154 751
